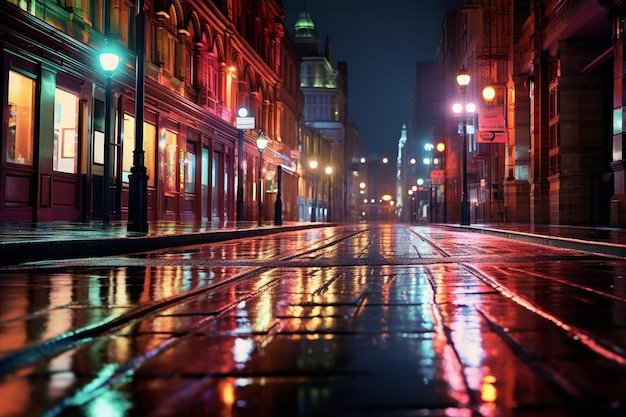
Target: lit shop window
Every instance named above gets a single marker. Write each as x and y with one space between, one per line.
168 143
149 141
190 168
65 157
20 135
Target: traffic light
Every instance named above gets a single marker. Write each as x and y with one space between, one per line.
438 155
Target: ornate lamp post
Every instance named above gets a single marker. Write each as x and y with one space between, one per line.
261 143
138 178
463 80
242 112
313 166
329 171
109 61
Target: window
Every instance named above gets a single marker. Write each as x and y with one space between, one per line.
65 153
208 65
166 41
318 107
555 164
21 126
118 21
168 143
190 168
149 135
555 136
215 191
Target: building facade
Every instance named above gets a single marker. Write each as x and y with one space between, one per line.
553 65
329 143
203 61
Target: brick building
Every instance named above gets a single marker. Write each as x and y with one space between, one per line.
203 60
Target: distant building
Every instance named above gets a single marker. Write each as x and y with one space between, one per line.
550 150
325 92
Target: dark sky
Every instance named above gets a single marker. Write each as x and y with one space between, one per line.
381 42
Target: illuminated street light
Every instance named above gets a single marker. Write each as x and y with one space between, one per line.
463 80
489 93
109 61
261 143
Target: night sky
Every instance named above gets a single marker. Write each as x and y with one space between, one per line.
381 42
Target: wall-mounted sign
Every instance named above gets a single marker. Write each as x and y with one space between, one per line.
245 123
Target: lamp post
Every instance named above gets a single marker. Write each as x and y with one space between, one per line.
278 205
242 113
109 61
362 186
138 178
261 143
329 171
313 165
463 79
429 148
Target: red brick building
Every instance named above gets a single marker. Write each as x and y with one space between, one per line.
204 60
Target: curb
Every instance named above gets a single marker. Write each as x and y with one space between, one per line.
600 248
15 253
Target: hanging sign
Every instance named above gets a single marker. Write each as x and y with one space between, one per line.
491 118
491 136
245 123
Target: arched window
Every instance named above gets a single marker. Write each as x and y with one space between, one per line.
119 20
166 40
185 64
208 79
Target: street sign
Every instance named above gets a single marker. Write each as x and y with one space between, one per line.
245 123
490 136
437 174
491 118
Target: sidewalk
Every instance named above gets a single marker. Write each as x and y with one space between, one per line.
28 242
600 240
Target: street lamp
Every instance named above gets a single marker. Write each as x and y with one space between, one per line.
463 80
241 113
362 186
313 166
278 205
138 178
429 148
329 171
261 143
109 61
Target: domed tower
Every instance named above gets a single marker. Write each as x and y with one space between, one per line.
304 34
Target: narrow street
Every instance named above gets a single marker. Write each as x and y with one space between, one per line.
355 320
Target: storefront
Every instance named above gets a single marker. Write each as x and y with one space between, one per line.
52 162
